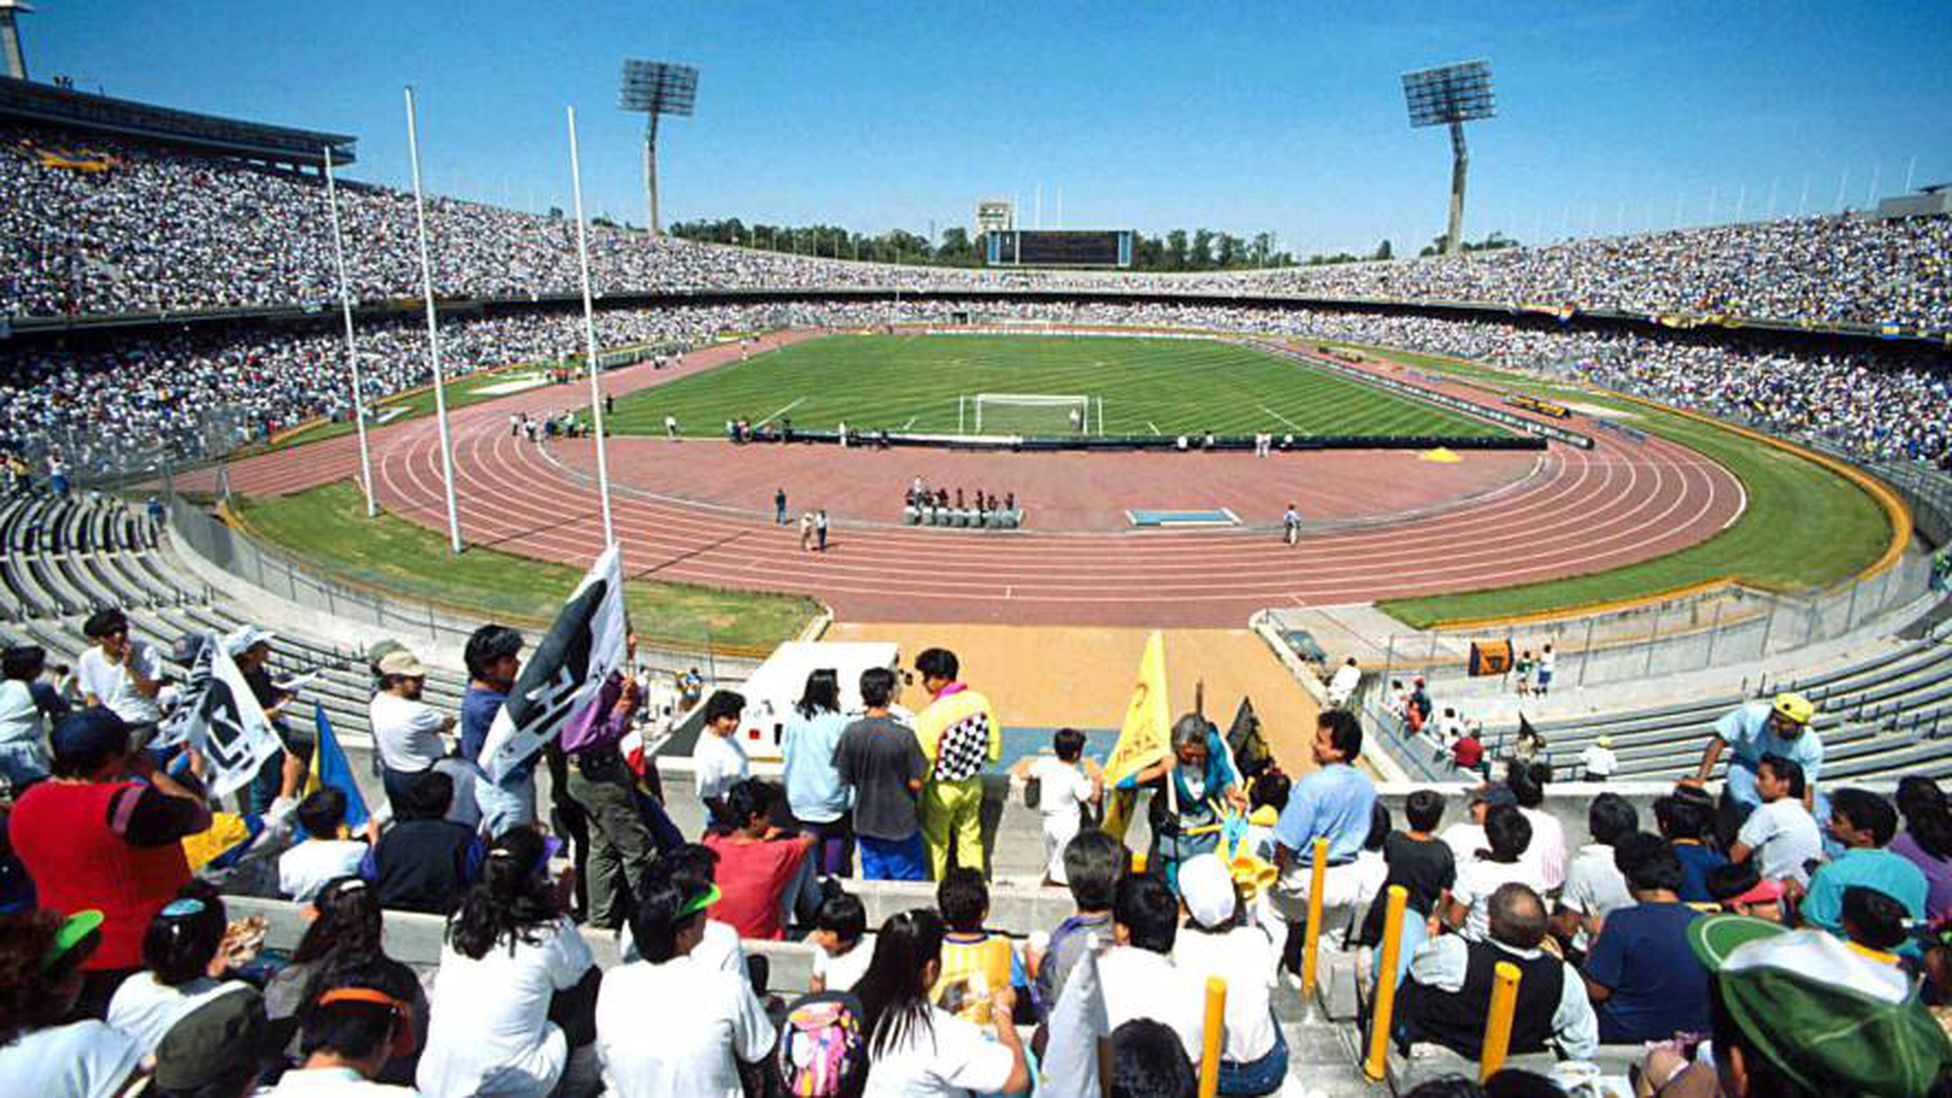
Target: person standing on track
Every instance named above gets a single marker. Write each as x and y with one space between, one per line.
820 528
806 530
1291 526
779 507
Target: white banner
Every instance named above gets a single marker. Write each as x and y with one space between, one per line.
220 719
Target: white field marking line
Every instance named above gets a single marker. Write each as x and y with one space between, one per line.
910 423
1284 419
1154 426
780 413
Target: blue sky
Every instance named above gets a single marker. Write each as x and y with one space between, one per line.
1245 117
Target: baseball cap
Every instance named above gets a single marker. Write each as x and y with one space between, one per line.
78 934
227 1030
404 663
246 637
87 732
1604 741
1207 889
380 649
1829 1019
1794 707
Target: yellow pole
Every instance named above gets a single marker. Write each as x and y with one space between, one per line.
1383 1010
1216 1013
1312 943
1497 1028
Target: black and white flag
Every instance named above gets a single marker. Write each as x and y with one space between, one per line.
567 670
219 717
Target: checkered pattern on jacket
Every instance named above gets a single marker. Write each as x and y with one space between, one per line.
963 748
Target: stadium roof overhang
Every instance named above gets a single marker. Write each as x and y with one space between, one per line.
46 104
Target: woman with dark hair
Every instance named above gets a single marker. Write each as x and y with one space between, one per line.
1926 841
41 955
179 952
28 708
916 1047
345 933
814 792
766 874
510 950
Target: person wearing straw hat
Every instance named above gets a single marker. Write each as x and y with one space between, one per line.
1780 726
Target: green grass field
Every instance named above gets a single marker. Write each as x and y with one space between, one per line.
1148 387
328 527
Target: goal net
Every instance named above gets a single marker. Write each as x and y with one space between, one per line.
1041 415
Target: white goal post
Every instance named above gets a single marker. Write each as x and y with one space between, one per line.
1085 413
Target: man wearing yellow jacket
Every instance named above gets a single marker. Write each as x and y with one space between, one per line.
959 733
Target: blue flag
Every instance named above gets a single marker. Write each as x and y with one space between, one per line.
330 768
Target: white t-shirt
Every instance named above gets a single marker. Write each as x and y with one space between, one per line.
145 1009
675 1028
406 733
84 1060
1781 837
307 867
718 762
330 1083
1594 884
951 1059
843 972
1465 839
1139 983
1598 762
719 948
1478 878
1061 787
1245 957
1547 851
490 1032
111 683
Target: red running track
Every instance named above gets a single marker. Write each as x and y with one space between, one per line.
1579 512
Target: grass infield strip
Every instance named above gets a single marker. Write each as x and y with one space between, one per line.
327 527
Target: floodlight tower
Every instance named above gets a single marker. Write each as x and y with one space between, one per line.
655 88
1451 95
10 36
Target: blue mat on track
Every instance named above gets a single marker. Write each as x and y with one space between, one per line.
1206 516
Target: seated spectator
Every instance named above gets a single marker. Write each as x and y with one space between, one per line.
973 959
916 1047
1425 868
408 734
1685 818
668 1024
1216 943
217 1050
180 956
1093 864
1148 1062
1066 783
1448 995
879 759
1876 924
1548 848
424 861
1335 803
721 942
41 954
1595 887
345 934
355 1022
1137 973
1267 795
1738 889
28 708
1466 837
1781 835
1501 862
1467 754
1927 840
1865 824
764 872
322 854
840 956
1644 980
719 759
510 955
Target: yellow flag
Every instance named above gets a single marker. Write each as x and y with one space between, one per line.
1146 735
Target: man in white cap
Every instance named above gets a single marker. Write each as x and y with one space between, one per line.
1758 728
250 648
1215 943
1597 763
407 732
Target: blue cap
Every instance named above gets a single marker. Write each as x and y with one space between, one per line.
89 731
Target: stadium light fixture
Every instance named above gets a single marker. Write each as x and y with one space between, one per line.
656 88
1452 95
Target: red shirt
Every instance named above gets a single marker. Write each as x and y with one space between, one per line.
752 879
1467 752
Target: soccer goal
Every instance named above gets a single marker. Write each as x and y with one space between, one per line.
1040 415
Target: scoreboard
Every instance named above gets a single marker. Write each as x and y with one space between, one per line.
1058 248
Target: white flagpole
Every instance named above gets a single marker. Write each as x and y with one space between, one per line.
589 333
433 336
352 350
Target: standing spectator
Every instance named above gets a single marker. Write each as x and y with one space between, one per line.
1758 729
1781 835
598 782
322 853
494 659
1064 788
879 760
510 953
1290 524
356 1020
407 732
1448 995
425 860
1595 885
806 531
1216 944
41 978
95 838
668 1024
122 674
916 1047
766 872
959 733
1685 817
1597 763
1337 803
1523 670
779 507
719 759
820 528
1927 839
28 708
178 951
1864 823
1548 667
1507 833
249 647
1185 818
1644 980
814 792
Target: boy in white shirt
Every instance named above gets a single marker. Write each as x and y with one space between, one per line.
321 856
1781 836
1137 974
1066 782
719 760
841 953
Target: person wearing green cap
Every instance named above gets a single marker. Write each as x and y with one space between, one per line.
41 955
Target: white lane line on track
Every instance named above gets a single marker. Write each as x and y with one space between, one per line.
1284 419
780 413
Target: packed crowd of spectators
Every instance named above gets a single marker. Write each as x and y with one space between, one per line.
165 230
1758 917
